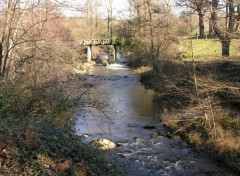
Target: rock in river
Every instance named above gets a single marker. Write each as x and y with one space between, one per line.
149 127
103 144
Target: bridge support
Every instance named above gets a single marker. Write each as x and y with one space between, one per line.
114 52
89 53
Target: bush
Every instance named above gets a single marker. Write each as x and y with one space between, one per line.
36 136
39 148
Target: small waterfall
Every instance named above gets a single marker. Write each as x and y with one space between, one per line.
118 66
120 59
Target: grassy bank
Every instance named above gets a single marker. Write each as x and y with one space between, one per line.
36 136
209 48
205 114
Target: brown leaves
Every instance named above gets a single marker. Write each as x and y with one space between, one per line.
62 167
31 137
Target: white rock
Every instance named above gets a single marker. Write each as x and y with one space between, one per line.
103 144
83 135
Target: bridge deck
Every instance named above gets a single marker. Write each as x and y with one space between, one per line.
96 42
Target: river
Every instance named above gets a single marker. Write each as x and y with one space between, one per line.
129 107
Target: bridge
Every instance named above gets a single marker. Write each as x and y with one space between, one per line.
97 42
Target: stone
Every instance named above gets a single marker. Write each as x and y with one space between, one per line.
149 127
154 135
133 125
103 144
119 144
169 136
84 136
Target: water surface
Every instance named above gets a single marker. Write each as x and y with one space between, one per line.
130 107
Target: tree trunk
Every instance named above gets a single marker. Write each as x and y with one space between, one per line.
201 25
227 14
225 39
210 32
238 16
1 58
225 47
231 16
151 33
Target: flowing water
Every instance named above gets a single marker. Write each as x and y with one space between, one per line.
130 107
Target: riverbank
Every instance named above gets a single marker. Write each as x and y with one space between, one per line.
36 136
202 109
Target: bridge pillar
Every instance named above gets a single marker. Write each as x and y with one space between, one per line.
114 52
89 53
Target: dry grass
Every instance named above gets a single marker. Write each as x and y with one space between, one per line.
209 118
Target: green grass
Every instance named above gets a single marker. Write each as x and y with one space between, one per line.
209 48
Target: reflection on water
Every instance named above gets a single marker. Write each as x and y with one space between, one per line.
128 104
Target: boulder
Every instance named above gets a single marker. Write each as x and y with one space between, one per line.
103 144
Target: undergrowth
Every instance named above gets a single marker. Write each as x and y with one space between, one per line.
36 136
37 148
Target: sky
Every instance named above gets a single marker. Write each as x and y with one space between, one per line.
120 8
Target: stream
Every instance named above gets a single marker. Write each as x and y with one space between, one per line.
130 108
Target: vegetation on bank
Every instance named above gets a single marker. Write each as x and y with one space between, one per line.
205 113
40 51
39 91
36 136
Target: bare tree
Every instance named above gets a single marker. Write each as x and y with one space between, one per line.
201 7
11 26
229 31
152 23
23 27
109 5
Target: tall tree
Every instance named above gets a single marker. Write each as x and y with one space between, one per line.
23 27
12 21
152 22
201 7
109 5
228 32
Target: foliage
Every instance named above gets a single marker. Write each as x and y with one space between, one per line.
36 136
39 148
125 43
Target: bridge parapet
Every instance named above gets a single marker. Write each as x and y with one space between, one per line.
96 42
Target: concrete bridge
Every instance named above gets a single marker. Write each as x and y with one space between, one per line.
97 42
